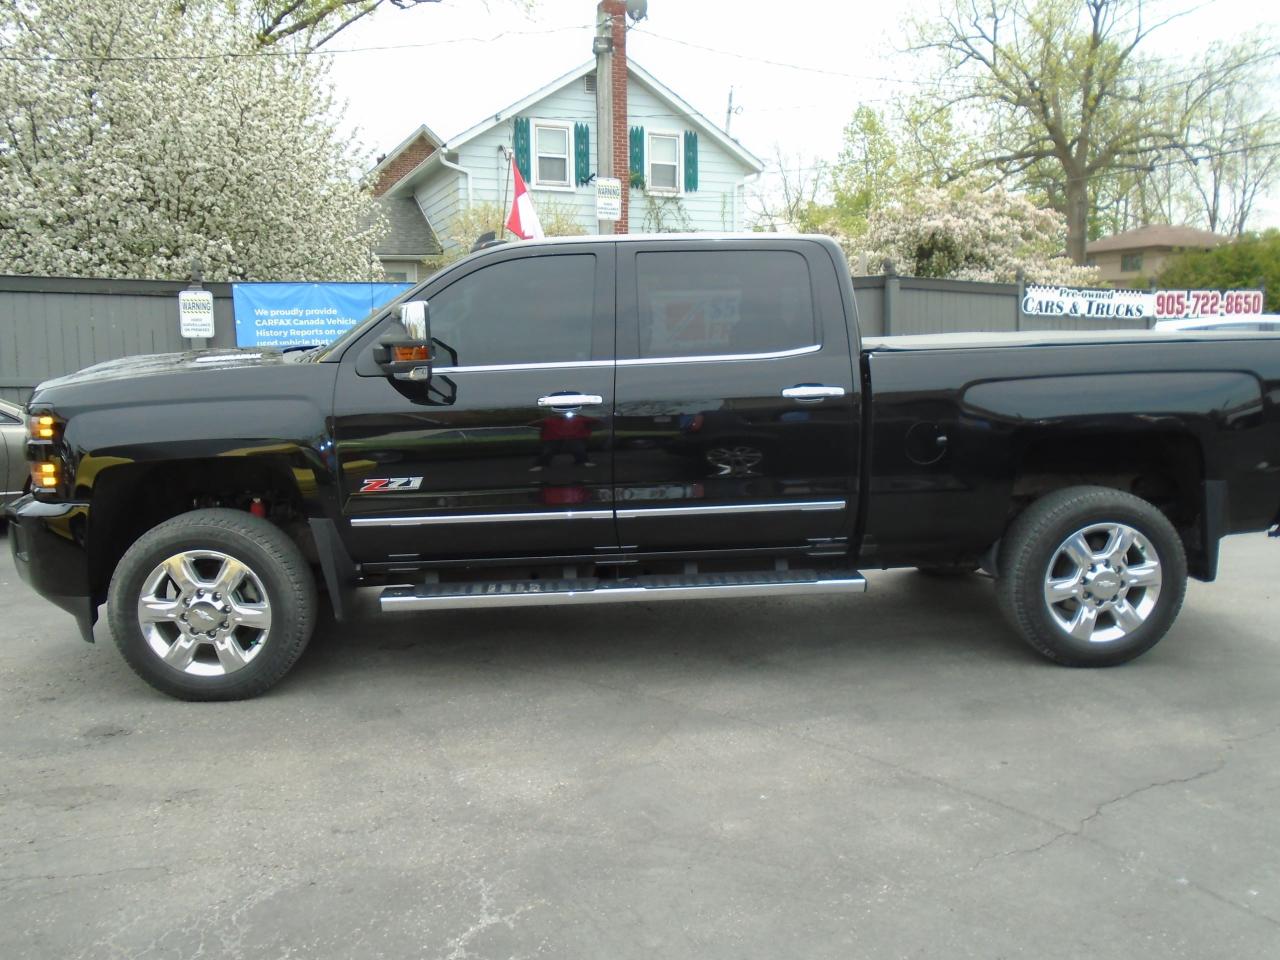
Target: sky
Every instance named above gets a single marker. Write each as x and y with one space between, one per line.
798 69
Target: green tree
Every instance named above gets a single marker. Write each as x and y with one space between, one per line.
131 143
888 154
1068 95
1234 158
797 199
968 231
1244 264
301 24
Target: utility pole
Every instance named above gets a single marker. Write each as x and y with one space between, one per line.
602 46
731 112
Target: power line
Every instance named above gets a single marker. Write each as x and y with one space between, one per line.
773 170
1174 77
801 67
264 53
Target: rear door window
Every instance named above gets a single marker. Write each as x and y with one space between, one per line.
723 302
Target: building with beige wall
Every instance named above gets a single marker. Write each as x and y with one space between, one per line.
1136 256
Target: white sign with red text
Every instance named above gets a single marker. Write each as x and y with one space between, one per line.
1194 304
1150 305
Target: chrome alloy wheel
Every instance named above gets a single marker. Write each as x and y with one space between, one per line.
204 613
1103 582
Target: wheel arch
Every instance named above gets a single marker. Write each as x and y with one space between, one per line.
1166 468
128 499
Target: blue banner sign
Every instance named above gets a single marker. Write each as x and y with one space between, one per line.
304 314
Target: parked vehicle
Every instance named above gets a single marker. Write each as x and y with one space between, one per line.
1266 323
13 457
621 419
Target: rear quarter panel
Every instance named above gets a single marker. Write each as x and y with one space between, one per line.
991 403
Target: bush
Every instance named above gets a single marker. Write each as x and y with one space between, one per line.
1247 263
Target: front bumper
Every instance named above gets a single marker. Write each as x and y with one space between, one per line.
47 541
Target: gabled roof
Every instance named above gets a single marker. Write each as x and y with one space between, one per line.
506 113
673 100
658 89
1158 235
408 233
431 136
635 71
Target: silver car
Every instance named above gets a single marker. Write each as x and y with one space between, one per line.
13 461
1264 323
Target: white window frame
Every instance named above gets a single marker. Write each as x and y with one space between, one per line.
678 136
569 168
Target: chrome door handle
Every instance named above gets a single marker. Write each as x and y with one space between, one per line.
812 392
563 400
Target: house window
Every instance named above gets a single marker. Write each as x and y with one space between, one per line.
664 163
396 276
1131 263
553 154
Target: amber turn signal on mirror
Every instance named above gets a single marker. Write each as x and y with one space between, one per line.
411 354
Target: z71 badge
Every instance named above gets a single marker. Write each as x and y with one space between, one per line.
392 484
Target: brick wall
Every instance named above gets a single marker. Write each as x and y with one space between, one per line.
402 164
621 129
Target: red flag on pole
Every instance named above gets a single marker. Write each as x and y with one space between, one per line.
523 220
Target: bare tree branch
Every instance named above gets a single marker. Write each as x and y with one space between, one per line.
1071 100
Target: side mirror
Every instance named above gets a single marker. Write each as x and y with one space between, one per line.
408 356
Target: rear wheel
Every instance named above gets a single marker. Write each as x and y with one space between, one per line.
1091 577
212 605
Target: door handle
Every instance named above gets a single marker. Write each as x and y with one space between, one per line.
811 392
564 400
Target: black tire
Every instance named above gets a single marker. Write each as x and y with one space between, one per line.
1032 544
273 559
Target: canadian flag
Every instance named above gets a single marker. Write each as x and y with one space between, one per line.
523 220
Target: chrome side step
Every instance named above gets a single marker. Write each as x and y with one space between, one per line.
644 589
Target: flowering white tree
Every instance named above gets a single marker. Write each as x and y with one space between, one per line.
965 232
137 136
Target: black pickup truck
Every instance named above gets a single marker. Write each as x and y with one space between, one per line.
607 420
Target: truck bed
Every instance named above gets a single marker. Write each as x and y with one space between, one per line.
1051 338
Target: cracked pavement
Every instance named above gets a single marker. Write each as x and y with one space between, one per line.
886 776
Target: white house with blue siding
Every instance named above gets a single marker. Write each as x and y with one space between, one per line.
686 173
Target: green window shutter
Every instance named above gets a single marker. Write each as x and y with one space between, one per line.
637 155
690 161
582 153
523 147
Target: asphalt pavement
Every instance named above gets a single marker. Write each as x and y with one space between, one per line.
894 775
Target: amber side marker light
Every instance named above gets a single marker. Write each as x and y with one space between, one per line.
44 475
42 428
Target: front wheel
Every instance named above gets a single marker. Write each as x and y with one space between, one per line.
1091 577
212 605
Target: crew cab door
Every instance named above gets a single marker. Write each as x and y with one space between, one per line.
509 453
737 418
